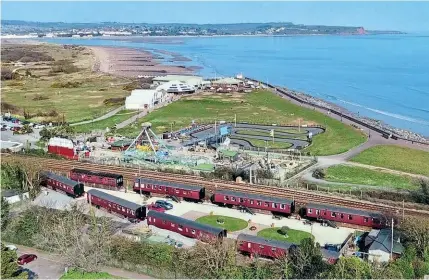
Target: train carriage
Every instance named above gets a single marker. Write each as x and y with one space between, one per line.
187 192
98 179
120 206
185 227
275 205
254 245
345 215
57 182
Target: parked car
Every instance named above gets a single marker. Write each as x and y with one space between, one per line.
156 207
11 248
164 204
26 258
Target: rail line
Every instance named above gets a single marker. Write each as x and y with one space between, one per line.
300 196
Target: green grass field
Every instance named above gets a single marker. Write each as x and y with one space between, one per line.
261 143
294 236
76 274
230 224
109 122
259 106
38 93
365 176
396 158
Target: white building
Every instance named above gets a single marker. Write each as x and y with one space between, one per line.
176 87
144 99
194 81
13 196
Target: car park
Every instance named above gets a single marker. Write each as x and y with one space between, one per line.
164 204
26 258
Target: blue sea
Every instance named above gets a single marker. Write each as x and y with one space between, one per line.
385 77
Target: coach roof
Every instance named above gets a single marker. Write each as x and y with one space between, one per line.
174 185
60 178
267 242
95 173
114 199
344 210
189 223
255 196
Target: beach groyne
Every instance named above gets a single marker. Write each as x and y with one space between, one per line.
385 133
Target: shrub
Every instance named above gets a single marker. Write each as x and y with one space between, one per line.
39 97
114 101
283 230
73 84
64 66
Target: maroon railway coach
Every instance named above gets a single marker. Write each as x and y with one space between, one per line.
254 245
187 192
120 206
57 182
275 205
101 179
345 215
185 227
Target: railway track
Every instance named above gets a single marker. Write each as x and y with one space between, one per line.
300 196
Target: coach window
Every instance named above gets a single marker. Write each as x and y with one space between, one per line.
342 216
274 205
317 212
260 246
184 192
180 227
177 191
273 249
232 198
132 212
155 187
259 203
266 204
365 220
333 214
226 197
310 211
240 199
193 231
350 217
251 201
282 206
173 225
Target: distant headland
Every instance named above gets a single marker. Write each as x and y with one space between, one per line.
18 28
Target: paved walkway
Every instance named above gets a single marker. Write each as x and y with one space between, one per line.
105 116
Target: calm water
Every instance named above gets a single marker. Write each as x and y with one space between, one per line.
384 77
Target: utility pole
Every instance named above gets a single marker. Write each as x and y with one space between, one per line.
235 120
391 244
140 187
403 210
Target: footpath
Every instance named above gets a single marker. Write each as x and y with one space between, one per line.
50 266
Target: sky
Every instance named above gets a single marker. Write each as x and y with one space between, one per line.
403 16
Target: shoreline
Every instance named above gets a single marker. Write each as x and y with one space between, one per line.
117 61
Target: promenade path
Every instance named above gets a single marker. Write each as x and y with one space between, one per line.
105 116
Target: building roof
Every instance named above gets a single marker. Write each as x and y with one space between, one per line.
128 204
9 193
182 78
141 97
176 86
227 81
121 143
255 196
383 242
329 254
345 210
182 221
267 242
102 174
176 185
61 179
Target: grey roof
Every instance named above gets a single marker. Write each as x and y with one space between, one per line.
115 199
255 196
61 179
182 221
345 210
9 193
383 242
267 242
176 185
329 254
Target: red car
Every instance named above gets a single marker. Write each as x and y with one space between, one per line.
26 258
156 207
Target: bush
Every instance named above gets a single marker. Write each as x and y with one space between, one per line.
114 101
283 230
319 173
64 66
24 54
74 84
6 74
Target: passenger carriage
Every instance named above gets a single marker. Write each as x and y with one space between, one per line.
64 184
185 227
254 245
187 192
273 204
345 215
117 205
98 179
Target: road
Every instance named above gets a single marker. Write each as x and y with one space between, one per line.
50 266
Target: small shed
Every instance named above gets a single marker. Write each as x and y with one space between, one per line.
13 196
231 155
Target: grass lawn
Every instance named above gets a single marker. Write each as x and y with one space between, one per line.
396 158
261 143
41 93
365 176
267 134
76 274
294 236
230 224
259 106
109 122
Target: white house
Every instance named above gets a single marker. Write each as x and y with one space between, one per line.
193 81
144 99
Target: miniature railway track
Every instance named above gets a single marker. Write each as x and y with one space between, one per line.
300 196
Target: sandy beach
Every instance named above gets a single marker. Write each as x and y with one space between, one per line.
129 62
